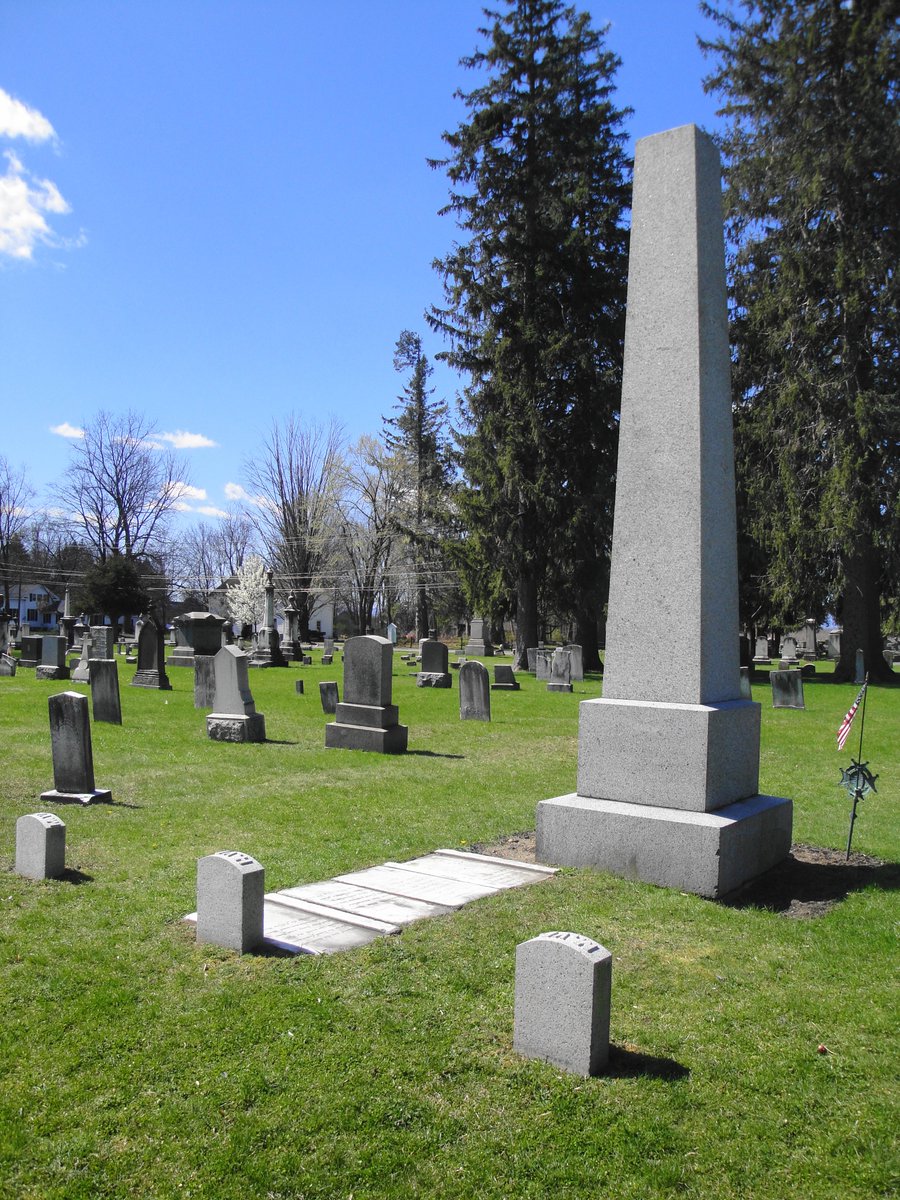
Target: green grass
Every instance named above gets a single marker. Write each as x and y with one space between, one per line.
135 1063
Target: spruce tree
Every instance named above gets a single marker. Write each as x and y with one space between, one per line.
417 437
812 164
534 299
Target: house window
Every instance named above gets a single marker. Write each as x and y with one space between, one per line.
31 615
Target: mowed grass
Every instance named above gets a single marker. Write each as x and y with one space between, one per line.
136 1063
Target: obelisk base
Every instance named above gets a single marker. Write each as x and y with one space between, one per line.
706 853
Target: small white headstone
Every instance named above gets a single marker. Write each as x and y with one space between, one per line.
230 891
563 987
40 846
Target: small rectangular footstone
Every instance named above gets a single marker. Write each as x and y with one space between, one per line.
40 846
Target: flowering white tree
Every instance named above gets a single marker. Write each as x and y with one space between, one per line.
247 595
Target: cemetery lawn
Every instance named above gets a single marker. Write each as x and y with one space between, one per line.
135 1063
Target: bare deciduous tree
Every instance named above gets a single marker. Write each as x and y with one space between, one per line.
296 480
15 495
120 486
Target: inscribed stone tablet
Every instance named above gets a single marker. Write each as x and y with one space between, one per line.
367 670
230 890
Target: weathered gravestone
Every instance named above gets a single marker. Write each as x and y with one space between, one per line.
474 692
787 689
82 673
542 661
789 650
7 665
53 659
204 681
30 655
531 654
267 643
151 655
577 662
105 690
230 892
746 689
762 650
668 758
40 846
504 679
562 1002
435 670
560 672
860 676
234 718
103 641
73 758
478 643
367 720
329 696
195 633
298 687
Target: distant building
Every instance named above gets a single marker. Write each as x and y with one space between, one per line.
321 617
34 605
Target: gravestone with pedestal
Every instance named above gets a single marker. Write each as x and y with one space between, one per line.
560 671
267 643
668 758
762 650
504 679
366 719
151 654
81 673
478 643
53 659
234 718
73 758
435 669
30 653
195 633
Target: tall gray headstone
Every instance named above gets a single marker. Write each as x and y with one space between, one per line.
204 681
230 891
330 696
479 642
562 1004
560 671
73 757
40 846
234 718
860 676
151 655
105 690
367 719
672 735
577 660
103 641
474 692
542 661
53 658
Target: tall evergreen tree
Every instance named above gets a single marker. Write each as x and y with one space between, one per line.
534 297
417 438
812 153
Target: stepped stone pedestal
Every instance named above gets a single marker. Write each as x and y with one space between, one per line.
668 759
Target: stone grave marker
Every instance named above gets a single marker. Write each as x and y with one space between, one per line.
7 665
860 675
82 673
40 846
234 718
787 689
746 689
105 690
474 692
668 758
478 644
195 633
435 670
267 643
542 661
30 654
367 720
230 892
204 681
329 696
53 659
531 654
577 661
151 656
73 758
560 671
504 679
298 687
562 1002
103 641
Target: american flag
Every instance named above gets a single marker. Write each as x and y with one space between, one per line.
844 732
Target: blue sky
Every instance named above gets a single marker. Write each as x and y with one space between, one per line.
238 217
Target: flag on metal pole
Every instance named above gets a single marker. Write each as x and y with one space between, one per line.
844 732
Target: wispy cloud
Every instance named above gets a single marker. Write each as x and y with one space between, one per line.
24 200
210 510
185 491
234 491
18 120
182 440
67 431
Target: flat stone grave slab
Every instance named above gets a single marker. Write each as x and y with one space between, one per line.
353 909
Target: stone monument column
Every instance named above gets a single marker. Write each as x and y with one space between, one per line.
671 742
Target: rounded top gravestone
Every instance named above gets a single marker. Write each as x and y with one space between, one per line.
368 664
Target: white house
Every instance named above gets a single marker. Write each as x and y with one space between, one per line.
34 605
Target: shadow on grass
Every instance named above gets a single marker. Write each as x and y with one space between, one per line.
811 880
70 875
280 742
625 1063
433 754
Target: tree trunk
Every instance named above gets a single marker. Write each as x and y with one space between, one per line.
586 634
526 619
861 615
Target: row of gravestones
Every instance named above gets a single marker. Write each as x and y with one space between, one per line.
562 982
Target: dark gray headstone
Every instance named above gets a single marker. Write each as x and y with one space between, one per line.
103 641
151 657
70 742
367 670
367 720
787 689
504 679
298 687
474 692
204 681
328 694
105 690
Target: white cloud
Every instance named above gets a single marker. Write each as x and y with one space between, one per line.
180 506
18 120
67 431
234 491
184 491
210 510
182 440
23 202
